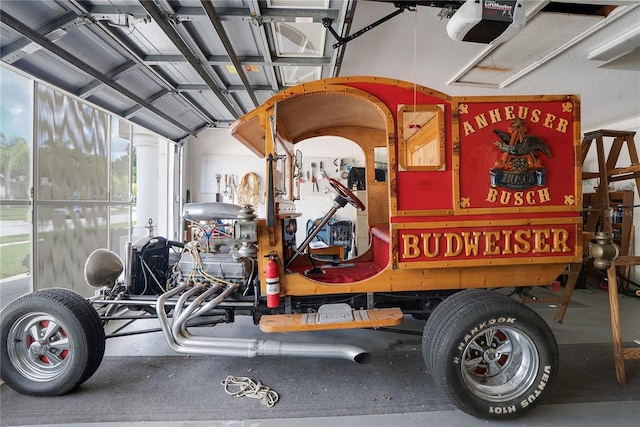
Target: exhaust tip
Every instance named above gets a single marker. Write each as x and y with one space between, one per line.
362 358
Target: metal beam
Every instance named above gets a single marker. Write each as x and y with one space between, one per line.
217 24
131 111
259 88
343 40
263 44
86 68
118 72
137 57
194 13
162 21
127 114
266 15
292 15
110 11
13 51
244 60
347 20
230 89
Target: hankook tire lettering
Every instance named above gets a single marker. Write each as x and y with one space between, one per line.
474 331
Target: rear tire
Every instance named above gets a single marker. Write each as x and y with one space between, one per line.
51 341
492 356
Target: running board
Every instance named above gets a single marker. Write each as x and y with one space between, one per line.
332 316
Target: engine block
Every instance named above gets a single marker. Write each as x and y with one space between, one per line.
224 266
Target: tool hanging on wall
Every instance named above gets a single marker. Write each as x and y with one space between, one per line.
218 195
323 174
232 184
342 167
314 181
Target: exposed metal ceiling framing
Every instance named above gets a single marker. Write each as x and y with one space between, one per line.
178 67
174 67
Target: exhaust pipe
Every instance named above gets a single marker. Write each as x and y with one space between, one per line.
181 341
349 352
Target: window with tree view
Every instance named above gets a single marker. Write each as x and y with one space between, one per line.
15 173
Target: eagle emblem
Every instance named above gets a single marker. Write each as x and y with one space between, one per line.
519 166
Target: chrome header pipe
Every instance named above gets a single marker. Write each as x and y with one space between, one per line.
181 341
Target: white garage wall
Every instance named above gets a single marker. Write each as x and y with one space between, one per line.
315 204
217 150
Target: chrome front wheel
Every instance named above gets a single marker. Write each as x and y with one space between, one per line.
41 344
51 341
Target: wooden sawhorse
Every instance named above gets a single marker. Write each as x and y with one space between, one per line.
620 354
572 272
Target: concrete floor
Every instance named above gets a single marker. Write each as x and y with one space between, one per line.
588 321
572 415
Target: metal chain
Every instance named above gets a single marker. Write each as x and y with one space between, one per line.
244 386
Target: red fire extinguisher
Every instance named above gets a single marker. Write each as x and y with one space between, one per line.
273 281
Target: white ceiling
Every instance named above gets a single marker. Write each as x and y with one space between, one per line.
416 46
172 65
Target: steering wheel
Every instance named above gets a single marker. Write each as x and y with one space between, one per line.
347 194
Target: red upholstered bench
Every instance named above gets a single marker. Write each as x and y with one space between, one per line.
380 241
357 270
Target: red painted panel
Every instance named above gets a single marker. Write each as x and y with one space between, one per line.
418 190
517 154
394 95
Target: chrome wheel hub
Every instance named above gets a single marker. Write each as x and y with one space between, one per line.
499 363
38 346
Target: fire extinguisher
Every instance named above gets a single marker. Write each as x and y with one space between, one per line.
273 281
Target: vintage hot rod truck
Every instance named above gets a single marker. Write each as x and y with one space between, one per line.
480 194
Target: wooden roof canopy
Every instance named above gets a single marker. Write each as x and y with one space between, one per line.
320 107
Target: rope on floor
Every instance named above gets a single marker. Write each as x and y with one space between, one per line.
244 386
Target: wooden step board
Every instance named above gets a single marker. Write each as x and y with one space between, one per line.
331 316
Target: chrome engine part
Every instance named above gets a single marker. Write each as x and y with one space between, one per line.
222 248
202 282
199 267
